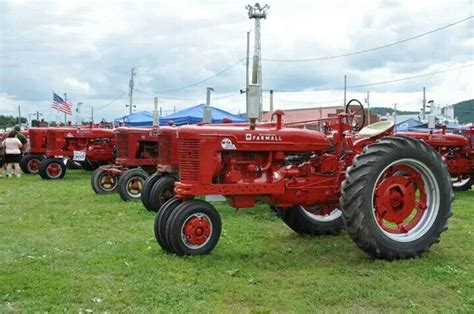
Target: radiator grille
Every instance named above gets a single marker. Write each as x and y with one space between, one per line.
164 149
189 159
122 144
51 142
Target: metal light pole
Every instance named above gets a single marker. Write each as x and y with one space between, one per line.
130 85
78 113
367 101
207 115
257 12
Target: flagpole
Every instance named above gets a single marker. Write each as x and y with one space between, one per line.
65 114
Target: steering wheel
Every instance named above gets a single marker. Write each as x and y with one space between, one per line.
358 119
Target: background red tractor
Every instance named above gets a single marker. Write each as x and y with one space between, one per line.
36 151
89 147
159 187
393 192
137 154
457 151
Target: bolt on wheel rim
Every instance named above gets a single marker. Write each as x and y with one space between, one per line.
321 213
54 170
196 231
405 200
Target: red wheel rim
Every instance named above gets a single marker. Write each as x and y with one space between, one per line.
54 170
33 165
196 230
400 199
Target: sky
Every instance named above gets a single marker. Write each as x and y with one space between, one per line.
87 49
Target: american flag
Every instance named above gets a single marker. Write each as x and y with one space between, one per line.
61 105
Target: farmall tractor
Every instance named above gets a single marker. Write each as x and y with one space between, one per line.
36 152
456 150
393 192
90 147
137 153
159 187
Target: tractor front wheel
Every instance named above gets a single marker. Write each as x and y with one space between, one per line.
52 169
146 190
131 183
102 181
30 163
463 183
317 220
161 220
193 228
396 198
162 190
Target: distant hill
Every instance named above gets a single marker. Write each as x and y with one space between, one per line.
383 110
464 111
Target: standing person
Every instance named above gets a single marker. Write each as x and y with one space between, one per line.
12 146
2 156
20 136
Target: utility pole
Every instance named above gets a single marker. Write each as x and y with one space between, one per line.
92 115
423 110
247 63
156 118
130 93
19 115
257 12
271 101
345 90
367 101
78 113
207 115
395 113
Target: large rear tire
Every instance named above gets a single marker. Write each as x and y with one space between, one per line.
52 169
103 182
131 183
464 183
146 190
315 221
396 198
30 163
162 190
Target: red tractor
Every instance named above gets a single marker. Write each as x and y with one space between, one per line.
393 192
36 152
137 153
456 150
90 147
159 187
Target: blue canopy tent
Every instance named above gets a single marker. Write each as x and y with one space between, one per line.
142 118
195 114
408 125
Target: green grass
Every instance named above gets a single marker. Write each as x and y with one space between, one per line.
64 248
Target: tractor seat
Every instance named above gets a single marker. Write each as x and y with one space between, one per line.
375 129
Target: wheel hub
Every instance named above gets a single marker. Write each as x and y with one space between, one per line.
54 170
197 230
33 165
395 199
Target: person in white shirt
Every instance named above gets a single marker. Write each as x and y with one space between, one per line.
12 147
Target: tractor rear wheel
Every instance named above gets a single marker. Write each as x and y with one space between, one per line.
103 182
396 198
162 190
193 228
52 169
146 190
463 183
161 219
314 221
131 183
30 163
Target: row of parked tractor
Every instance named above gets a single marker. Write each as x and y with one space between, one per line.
391 191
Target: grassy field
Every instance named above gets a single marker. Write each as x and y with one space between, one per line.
64 248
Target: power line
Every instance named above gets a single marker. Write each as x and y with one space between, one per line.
376 83
306 102
178 98
372 49
203 80
108 104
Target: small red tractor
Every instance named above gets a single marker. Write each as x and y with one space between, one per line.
90 147
457 150
393 192
137 153
36 152
159 187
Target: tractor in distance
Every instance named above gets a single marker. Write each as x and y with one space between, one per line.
90 147
137 153
393 192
